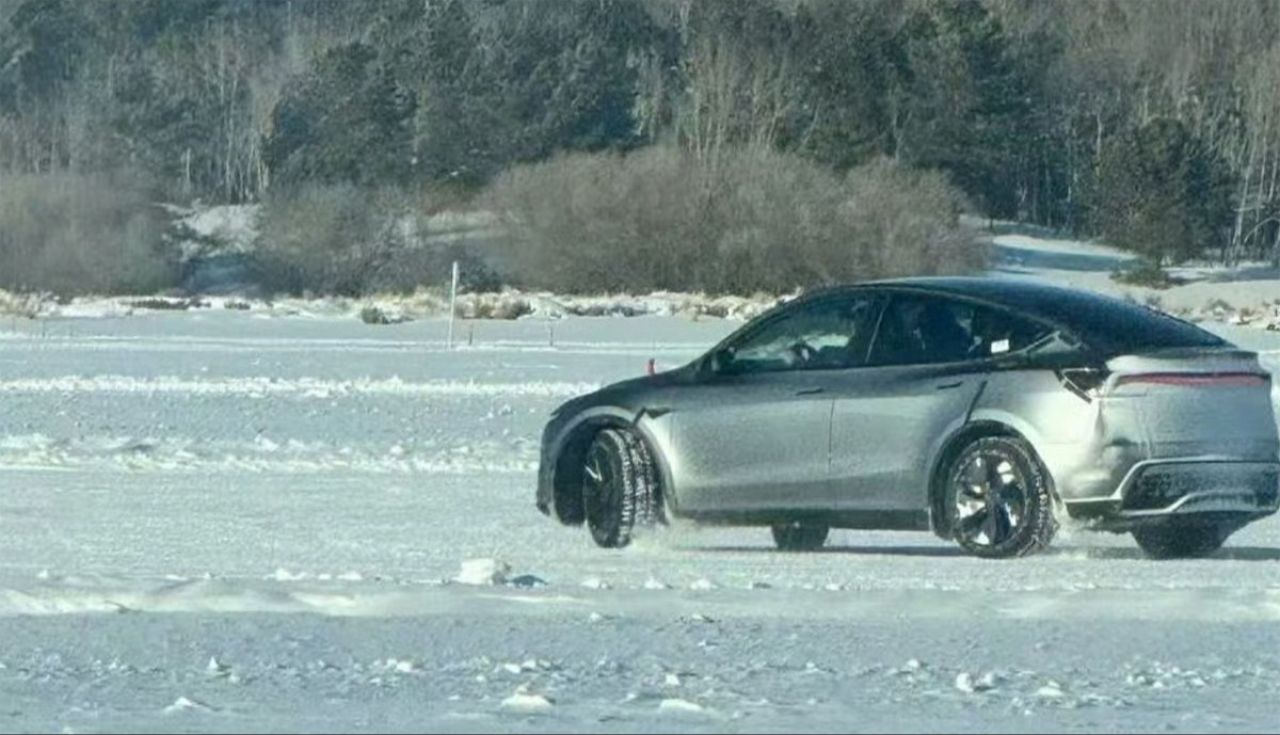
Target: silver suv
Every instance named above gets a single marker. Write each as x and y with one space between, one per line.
981 409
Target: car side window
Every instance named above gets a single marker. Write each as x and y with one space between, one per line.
929 330
831 334
996 332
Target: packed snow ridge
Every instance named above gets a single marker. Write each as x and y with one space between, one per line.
303 388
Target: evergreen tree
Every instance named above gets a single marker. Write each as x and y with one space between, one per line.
960 104
1161 193
348 121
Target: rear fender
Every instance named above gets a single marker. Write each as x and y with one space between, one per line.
982 423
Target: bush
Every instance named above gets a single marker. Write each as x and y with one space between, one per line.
325 239
349 241
904 222
372 314
22 305
156 303
1147 274
76 234
755 220
494 306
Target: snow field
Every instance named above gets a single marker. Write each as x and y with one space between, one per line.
213 521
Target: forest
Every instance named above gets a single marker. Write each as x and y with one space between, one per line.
721 145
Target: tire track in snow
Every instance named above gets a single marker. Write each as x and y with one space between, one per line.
298 387
15 341
185 455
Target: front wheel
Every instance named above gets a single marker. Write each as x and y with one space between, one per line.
999 500
619 488
1180 541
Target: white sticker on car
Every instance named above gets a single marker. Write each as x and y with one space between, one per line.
1000 345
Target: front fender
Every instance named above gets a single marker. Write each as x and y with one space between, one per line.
564 445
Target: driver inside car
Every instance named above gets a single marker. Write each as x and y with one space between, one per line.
941 335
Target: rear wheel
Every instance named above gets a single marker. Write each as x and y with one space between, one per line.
619 488
999 500
1181 541
800 536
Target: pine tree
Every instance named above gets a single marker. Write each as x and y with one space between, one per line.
961 105
1161 193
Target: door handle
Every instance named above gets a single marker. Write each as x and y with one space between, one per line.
949 386
808 391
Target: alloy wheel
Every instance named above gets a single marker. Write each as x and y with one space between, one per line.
991 498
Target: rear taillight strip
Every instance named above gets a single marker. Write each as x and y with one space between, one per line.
1196 379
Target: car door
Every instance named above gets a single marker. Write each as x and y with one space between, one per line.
925 369
754 432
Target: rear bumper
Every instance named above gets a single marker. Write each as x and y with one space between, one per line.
1162 489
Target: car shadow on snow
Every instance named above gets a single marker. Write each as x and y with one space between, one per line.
1230 553
1249 553
927 551
1233 553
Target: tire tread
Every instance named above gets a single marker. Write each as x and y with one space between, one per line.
639 503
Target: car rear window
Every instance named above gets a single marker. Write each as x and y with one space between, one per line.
1118 326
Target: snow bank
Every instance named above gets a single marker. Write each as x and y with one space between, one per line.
483 572
481 588
25 305
302 388
185 454
394 309
1244 295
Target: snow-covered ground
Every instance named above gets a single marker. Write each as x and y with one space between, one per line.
211 520
249 515
1249 293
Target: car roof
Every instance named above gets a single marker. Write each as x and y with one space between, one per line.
1107 323
1033 297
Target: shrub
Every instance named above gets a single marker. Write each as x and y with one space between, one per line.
1218 305
76 234
371 314
1146 273
755 220
904 222
494 306
347 241
156 303
319 238
22 305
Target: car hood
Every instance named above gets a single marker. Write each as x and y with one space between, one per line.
623 392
